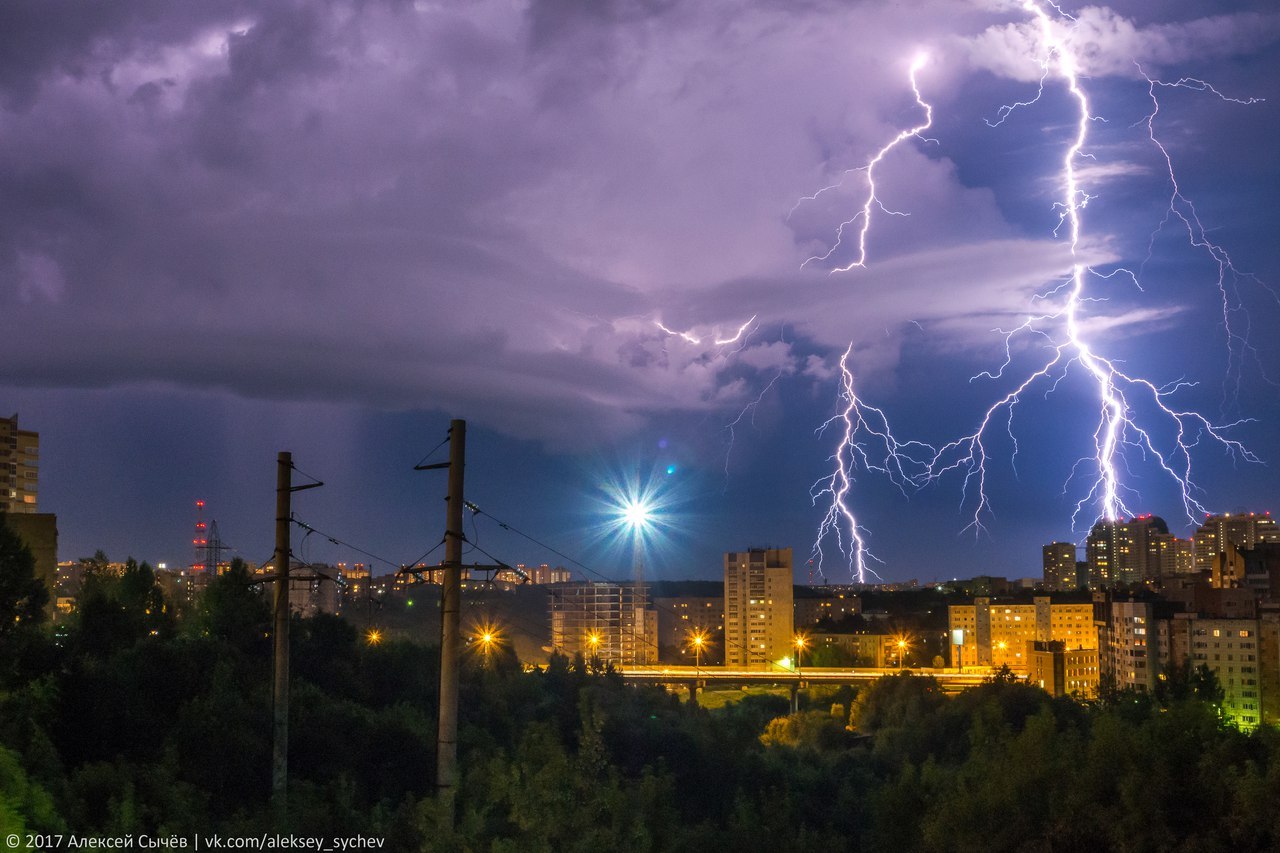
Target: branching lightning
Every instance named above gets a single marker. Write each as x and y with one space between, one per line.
872 199
1180 208
865 441
1137 418
865 438
1121 396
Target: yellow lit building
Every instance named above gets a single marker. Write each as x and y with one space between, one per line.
1063 672
994 633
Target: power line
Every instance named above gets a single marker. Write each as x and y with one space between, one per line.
506 526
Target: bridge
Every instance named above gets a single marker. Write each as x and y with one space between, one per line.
694 677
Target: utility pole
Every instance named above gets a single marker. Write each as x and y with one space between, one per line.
280 637
450 630
280 640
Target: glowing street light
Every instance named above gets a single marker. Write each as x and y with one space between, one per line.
697 639
593 640
373 636
486 637
800 642
902 645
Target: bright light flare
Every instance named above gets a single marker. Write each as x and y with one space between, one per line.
486 637
636 515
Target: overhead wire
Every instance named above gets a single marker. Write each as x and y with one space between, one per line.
635 636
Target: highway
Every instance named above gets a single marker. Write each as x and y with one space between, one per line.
951 680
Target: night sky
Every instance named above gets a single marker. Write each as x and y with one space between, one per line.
230 229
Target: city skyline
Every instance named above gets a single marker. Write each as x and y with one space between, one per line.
585 230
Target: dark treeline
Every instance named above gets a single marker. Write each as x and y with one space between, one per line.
127 721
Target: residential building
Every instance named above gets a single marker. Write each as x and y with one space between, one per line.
682 616
861 649
19 468
1244 530
608 621
994 633
1060 566
759 613
39 532
1139 550
1062 671
1233 650
813 604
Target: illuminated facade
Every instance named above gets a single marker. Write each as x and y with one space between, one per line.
1140 550
995 633
759 614
1233 649
19 468
1243 530
1063 672
1136 645
1060 566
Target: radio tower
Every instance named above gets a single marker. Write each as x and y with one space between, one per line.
201 542
208 544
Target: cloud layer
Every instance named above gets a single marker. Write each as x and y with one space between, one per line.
496 209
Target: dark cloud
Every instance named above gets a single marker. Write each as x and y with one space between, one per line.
595 213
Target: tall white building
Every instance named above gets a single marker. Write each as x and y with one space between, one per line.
759 626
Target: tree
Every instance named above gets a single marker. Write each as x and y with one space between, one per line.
233 609
23 596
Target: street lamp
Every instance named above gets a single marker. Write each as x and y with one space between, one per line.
697 639
487 638
373 636
800 642
902 652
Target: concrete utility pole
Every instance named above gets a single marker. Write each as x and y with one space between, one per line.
280 640
450 629
280 636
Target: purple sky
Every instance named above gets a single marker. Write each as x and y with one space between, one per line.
228 229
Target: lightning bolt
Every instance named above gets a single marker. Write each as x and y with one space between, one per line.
1136 416
748 413
697 341
1183 210
865 441
1121 396
872 199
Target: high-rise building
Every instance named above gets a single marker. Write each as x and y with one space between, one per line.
1060 566
19 468
1140 550
1243 530
758 607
